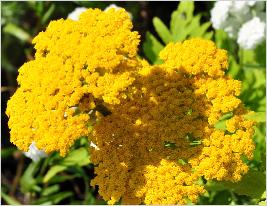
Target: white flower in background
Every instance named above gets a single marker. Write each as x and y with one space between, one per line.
241 6
74 15
232 16
251 34
34 153
114 6
232 26
219 13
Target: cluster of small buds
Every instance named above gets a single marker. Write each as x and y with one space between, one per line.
152 128
237 17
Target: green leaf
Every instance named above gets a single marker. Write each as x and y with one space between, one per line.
53 171
180 18
260 52
193 25
17 32
252 184
201 30
257 116
208 35
78 157
53 199
50 190
234 67
6 152
177 23
9 200
27 181
224 42
186 8
253 92
162 30
48 14
63 178
151 48
221 124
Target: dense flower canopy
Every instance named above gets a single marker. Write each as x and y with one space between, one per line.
154 126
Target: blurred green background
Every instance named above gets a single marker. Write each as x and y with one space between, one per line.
55 180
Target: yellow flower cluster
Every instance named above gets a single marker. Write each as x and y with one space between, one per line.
154 126
75 65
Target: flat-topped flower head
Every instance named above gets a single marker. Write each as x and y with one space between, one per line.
152 127
76 63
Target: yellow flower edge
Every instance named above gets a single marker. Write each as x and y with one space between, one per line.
154 126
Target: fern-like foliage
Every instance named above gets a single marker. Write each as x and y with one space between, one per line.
183 25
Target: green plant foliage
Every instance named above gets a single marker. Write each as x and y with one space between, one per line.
28 181
78 157
183 25
17 32
8 199
252 184
258 116
152 47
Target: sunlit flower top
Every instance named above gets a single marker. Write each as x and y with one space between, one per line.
76 64
152 128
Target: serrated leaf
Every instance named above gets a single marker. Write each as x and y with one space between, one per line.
187 8
184 25
176 23
162 30
252 184
17 32
193 25
53 171
151 48
200 30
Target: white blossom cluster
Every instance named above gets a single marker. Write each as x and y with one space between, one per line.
75 14
242 20
34 153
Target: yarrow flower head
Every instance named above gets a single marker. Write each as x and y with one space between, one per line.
232 16
152 127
